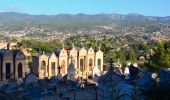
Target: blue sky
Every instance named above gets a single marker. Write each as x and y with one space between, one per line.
52 7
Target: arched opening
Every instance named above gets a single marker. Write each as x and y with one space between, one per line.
8 70
43 67
99 63
90 64
19 70
81 65
53 69
63 67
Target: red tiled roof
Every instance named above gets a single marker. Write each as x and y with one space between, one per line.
68 49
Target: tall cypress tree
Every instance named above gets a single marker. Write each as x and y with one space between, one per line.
122 58
133 58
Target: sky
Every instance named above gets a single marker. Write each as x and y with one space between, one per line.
53 7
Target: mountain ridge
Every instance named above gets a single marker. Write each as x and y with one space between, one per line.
14 16
84 23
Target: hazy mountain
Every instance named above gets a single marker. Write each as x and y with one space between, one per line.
13 16
13 20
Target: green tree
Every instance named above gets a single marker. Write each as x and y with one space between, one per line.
122 58
161 58
132 57
146 48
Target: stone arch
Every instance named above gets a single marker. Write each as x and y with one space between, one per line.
99 60
20 68
43 67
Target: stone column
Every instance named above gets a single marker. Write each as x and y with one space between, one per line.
78 63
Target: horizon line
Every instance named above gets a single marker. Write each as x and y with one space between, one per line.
84 13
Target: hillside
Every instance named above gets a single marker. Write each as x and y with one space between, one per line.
78 19
12 23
